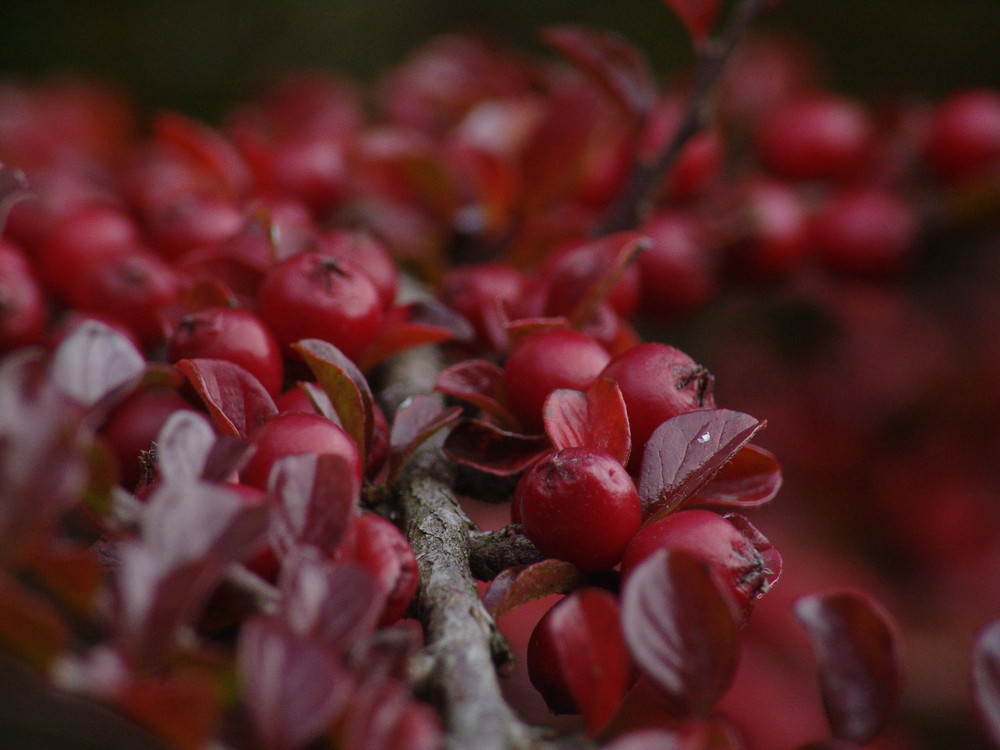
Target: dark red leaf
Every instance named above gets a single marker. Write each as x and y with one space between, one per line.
697 15
682 629
478 382
986 678
597 419
294 687
855 645
686 451
183 445
590 654
519 585
236 400
95 362
418 418
346 386
320 401
751 478
317 496
31 626
486 447
415 324
226 456
336 603
613 63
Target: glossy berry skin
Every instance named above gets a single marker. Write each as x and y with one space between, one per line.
237 336
712 538
369 256
964 136
864 231
377 545
579 505
657 382
594 615
816 137
545 360
312 295
292 433
777 230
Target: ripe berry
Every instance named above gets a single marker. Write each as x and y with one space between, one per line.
369 256
777 230
579 505
237 336
292 433
474 290
311 295
864 231
675 271
657 382
711 537
546 360
964 137
816 137
23 312
134 424
376 544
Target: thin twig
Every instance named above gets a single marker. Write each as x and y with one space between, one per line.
640 193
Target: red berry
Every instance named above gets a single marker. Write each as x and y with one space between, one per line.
23 311
816 137
964 137
579 505
777 240
657 382
380 547
368 255
292 433
675 271
865 231
134 424
473 291
712 538
237 336
546 360
311 295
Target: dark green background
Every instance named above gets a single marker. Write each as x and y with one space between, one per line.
200 57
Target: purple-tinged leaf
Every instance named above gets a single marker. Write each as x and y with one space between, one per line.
347 388
226 456
417 419
682 629
854 642
182 446
612 62
698 16
686 451
236 401
986 679
194 521
486 447
336 603
317 497
478 382
597 419
95 362
578 648
43 452
751 478
320 401
294 687
519 585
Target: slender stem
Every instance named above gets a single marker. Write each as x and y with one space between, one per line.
639 195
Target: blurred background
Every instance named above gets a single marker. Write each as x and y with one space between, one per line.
200 57
882 398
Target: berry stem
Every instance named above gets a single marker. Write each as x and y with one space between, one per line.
640 193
